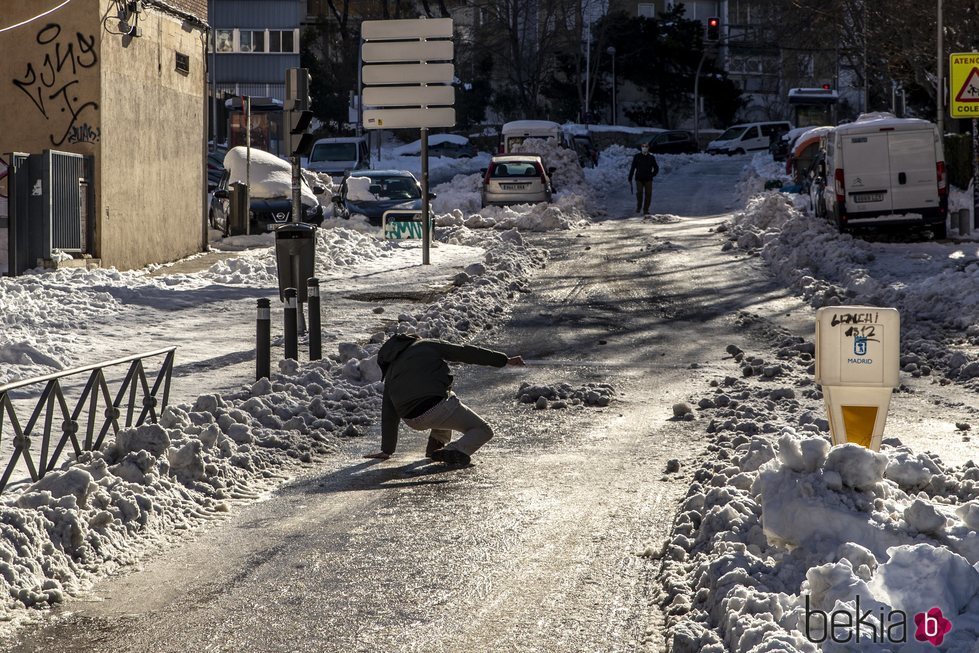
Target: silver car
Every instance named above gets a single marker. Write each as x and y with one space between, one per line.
516 179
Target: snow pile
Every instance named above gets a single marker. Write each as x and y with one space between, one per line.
779 530
567 176
359 189
932 284
270 176
760 170
563 395
415 147
155 481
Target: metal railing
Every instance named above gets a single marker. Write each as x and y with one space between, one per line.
96 424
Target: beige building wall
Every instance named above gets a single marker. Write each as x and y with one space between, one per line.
151 165
73 84
50 74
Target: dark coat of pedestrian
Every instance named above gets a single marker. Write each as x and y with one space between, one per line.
644 168
418 390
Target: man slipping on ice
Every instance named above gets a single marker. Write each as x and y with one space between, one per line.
418 390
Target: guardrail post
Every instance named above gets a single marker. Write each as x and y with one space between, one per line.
263 340
291 324
315 335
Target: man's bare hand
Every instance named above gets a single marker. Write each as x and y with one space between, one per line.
515 360
380 455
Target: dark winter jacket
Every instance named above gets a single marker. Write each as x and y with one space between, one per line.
416 376
644 167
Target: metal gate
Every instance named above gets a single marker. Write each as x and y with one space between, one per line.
50 204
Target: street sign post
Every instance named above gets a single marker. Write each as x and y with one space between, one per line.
858 364
407 75
963 88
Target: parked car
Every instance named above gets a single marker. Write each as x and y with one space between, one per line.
749 137
883 171
372 192
672 142
339 156
804 150
215 165
264 213
781 143
516 179
816 188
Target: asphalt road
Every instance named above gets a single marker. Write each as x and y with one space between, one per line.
537 547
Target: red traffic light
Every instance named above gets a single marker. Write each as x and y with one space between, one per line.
713 28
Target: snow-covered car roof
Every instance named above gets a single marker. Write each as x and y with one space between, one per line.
391 172
269 176
504 158
870 122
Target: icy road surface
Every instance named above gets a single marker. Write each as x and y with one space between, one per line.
539 546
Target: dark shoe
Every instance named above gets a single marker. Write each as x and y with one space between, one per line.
452 457
433 446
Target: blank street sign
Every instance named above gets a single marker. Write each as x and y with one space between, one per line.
401 118
392 51
407 96
412 28
409 73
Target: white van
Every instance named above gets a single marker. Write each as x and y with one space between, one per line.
338 157
886 171
748 137
517 131
578 139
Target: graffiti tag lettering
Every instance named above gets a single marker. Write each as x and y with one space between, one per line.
84 133
55 78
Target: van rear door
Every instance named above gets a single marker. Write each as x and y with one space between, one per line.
914 180
866 172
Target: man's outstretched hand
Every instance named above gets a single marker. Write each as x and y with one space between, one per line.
515 360
380 455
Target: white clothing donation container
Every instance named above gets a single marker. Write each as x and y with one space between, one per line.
858 365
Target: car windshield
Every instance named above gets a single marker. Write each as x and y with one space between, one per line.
394 188
334 152
732 133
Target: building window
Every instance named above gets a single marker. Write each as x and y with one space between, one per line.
251 40
646 10
282 40
224 40
183 63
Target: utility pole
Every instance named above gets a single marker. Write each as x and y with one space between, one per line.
940 90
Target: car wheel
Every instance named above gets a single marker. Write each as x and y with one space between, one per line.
738 151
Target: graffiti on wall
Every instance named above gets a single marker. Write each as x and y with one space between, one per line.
52 82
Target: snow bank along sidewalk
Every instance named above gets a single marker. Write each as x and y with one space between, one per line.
934 285
781 537
155 481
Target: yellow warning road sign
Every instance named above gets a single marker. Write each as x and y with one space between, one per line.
964 85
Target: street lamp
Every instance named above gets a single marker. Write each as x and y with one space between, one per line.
615 109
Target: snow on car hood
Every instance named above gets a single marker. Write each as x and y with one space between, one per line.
270 176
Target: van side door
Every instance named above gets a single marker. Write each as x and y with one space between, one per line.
914 180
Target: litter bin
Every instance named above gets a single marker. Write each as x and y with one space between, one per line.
295 256
238 209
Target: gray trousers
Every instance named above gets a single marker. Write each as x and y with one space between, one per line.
453 415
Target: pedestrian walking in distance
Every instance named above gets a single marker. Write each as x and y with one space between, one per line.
418 390
643 168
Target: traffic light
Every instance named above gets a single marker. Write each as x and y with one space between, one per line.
713 28
298 138
298 112
298 81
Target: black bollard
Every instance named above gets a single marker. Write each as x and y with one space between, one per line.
291 325
315 335
263 338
